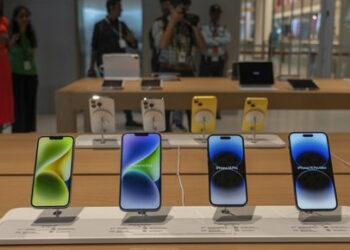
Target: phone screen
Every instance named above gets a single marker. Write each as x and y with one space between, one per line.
227 175
140 178
312 171
53 172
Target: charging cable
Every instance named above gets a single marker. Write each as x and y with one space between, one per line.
179 176
341 160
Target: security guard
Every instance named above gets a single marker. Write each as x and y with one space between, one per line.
216 37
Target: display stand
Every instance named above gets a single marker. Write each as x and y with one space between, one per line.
59 216
110 225
152 121
203 117
143 217
104 142
260 141
321 216
233 214
98 141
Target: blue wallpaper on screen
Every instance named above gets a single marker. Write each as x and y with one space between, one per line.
314 184
227 171
140 177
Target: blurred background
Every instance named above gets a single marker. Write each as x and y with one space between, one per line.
291 33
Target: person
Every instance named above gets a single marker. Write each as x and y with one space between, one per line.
216 37
6 92
112 36
176 40
165 7
24 72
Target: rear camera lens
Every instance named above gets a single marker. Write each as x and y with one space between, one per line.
151 105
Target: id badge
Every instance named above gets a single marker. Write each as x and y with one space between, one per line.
27 65
215 59
182 57
122 43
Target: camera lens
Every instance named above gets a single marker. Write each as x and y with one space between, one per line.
195 101
249 102
145 103
253 105
200 104
151 105
99 104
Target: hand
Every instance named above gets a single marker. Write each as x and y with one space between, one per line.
130 37
176 15
14 38
92 72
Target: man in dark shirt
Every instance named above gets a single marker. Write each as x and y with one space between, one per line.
111 36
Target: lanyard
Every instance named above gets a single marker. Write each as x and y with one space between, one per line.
115 31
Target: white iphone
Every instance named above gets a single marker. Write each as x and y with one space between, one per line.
102 114
153 115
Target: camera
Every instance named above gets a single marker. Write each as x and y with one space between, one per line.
191 18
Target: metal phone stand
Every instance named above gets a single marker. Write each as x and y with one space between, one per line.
203 117
143 217
254 117
104 141
67 215
233 214
321 216
154 126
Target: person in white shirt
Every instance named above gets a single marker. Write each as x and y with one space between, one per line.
216 37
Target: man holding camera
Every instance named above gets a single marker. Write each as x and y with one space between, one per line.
176 40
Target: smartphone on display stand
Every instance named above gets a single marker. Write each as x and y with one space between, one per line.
153 114
140 175
227 173
312 170
102 114
53 172
203 111
255 109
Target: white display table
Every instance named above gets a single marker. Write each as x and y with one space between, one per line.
183 141
96 225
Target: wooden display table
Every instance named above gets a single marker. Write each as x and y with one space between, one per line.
333 94
96 183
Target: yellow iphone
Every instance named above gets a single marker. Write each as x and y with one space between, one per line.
254 112
204 112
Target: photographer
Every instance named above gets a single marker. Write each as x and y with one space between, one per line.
176 40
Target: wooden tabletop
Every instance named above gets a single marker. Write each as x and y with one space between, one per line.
333 93
96 183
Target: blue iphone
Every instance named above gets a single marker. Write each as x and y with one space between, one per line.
312 172
227 174
140 175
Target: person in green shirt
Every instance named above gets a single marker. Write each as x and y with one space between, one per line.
24 72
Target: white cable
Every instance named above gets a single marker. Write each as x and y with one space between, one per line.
341 160
179 176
